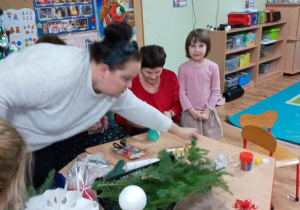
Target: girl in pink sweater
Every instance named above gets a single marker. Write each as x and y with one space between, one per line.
199 82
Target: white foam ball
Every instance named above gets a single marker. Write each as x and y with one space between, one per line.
132 197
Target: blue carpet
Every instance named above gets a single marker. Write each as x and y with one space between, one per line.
287 127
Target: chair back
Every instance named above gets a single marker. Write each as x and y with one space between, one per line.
260 137
266 119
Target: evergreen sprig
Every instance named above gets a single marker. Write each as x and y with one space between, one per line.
168 181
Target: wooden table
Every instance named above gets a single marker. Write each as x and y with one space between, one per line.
255 184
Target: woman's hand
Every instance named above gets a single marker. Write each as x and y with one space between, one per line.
185 133
169 114
103 123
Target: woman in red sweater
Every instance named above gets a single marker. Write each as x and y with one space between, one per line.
156 86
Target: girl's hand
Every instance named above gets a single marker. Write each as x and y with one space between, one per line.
195 113
205 114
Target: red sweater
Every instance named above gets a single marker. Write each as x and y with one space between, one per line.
166 98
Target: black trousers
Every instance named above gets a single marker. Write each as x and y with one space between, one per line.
59 154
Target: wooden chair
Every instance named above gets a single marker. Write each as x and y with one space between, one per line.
267 144
266 120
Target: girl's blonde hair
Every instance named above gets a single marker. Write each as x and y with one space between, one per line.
15 167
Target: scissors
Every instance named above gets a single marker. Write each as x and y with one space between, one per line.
122 144
128 147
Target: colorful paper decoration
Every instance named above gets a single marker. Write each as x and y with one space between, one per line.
20 24
244 205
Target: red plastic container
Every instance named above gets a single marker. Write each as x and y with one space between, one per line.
240 18
246 161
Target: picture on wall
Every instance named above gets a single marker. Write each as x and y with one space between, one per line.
64 16
68 25
73 11
59 12
71 1
81 23
58 1
42 2
54 27
179 3
86 10
45 13
110 11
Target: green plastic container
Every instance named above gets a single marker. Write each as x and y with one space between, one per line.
261 17
272 33
153 135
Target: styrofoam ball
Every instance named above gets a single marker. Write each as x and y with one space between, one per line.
132 197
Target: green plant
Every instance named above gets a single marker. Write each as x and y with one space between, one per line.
168 181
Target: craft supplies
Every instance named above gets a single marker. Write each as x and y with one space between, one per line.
258 160
153 135
128 150
246 159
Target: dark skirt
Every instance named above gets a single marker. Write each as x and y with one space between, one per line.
59 154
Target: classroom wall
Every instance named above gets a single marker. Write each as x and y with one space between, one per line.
168 26
16 4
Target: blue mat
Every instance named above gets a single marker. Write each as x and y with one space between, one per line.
286 104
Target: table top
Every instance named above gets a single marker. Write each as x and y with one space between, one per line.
255 184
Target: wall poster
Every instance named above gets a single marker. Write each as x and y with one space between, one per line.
21 27
64 16
110 11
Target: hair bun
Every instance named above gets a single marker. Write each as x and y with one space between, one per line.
117 32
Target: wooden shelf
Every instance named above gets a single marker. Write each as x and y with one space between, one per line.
264 76
248 86
269 58
240 68
249 28
218 52
264 25
228 52
290 12
276 41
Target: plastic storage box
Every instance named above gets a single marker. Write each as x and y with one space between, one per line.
237 41
249 40
244 78
231 80
270 34
240 19
266 67
244 59
228 44
266 50
261 17
232 63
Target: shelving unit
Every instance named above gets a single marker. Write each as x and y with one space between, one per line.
290 12
218 53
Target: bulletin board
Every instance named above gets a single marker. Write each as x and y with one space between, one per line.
64 16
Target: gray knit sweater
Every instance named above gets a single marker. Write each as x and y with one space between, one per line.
46 93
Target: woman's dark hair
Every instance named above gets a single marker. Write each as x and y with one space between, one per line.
53 39
153 56
199 35
116 48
